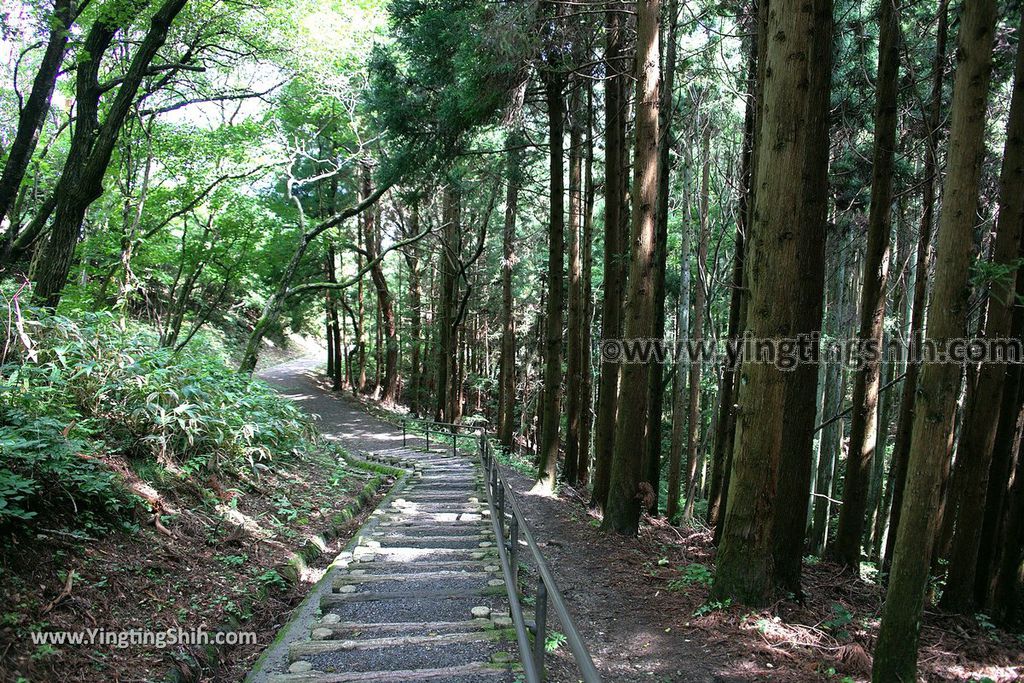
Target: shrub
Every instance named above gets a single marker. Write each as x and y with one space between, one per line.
76 392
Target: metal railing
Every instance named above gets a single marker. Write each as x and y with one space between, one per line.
503 505
509 525
450 428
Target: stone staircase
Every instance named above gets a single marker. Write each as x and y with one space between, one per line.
421 596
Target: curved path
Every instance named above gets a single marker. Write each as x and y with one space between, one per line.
420 596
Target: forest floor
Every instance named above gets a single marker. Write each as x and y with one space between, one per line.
203 572
642 604
646 601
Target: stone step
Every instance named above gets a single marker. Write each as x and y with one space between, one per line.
458 489
386 566
433 517
439 514
459 494
456 506
355 629
424 653
397 521
407 608
360 576
389 536
419 555
311 648
416 583
437 594
475 672
436 542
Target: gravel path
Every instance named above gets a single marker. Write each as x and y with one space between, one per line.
339 416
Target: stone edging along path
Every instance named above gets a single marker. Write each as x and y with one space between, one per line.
291 570
417 595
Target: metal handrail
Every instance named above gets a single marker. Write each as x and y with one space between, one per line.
451 426
547 589
501 500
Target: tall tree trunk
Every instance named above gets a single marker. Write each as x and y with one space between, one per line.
979 431
725 427
864 425
902 305
783 232
830 440
412 261
334 322
549 440
587 385
81 181
679 410
1006 597
652 455
699 302
387 325
614 245
1003 451
622 512
446 305
328 304
905 419
758 18
796 456
361 341
896 651
33 114
507 373
574 351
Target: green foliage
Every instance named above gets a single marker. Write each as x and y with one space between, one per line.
82 398
271 579
712 606
232 560
839 621
554 641
452 67
693 574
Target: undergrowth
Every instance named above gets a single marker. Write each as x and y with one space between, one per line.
89 399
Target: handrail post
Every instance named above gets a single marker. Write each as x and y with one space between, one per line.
541 636
455 439
403 433
513 550
501 508
428 436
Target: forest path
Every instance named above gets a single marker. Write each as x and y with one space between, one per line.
420 594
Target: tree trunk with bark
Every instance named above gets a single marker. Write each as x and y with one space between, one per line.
412 262
896 651
905 419
507 372
783 232
697 337
796 456
831 437
81 181
725 426
614 246
979 431
387 323
574 333
625 495
587 385
864 424
550 441
33 114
